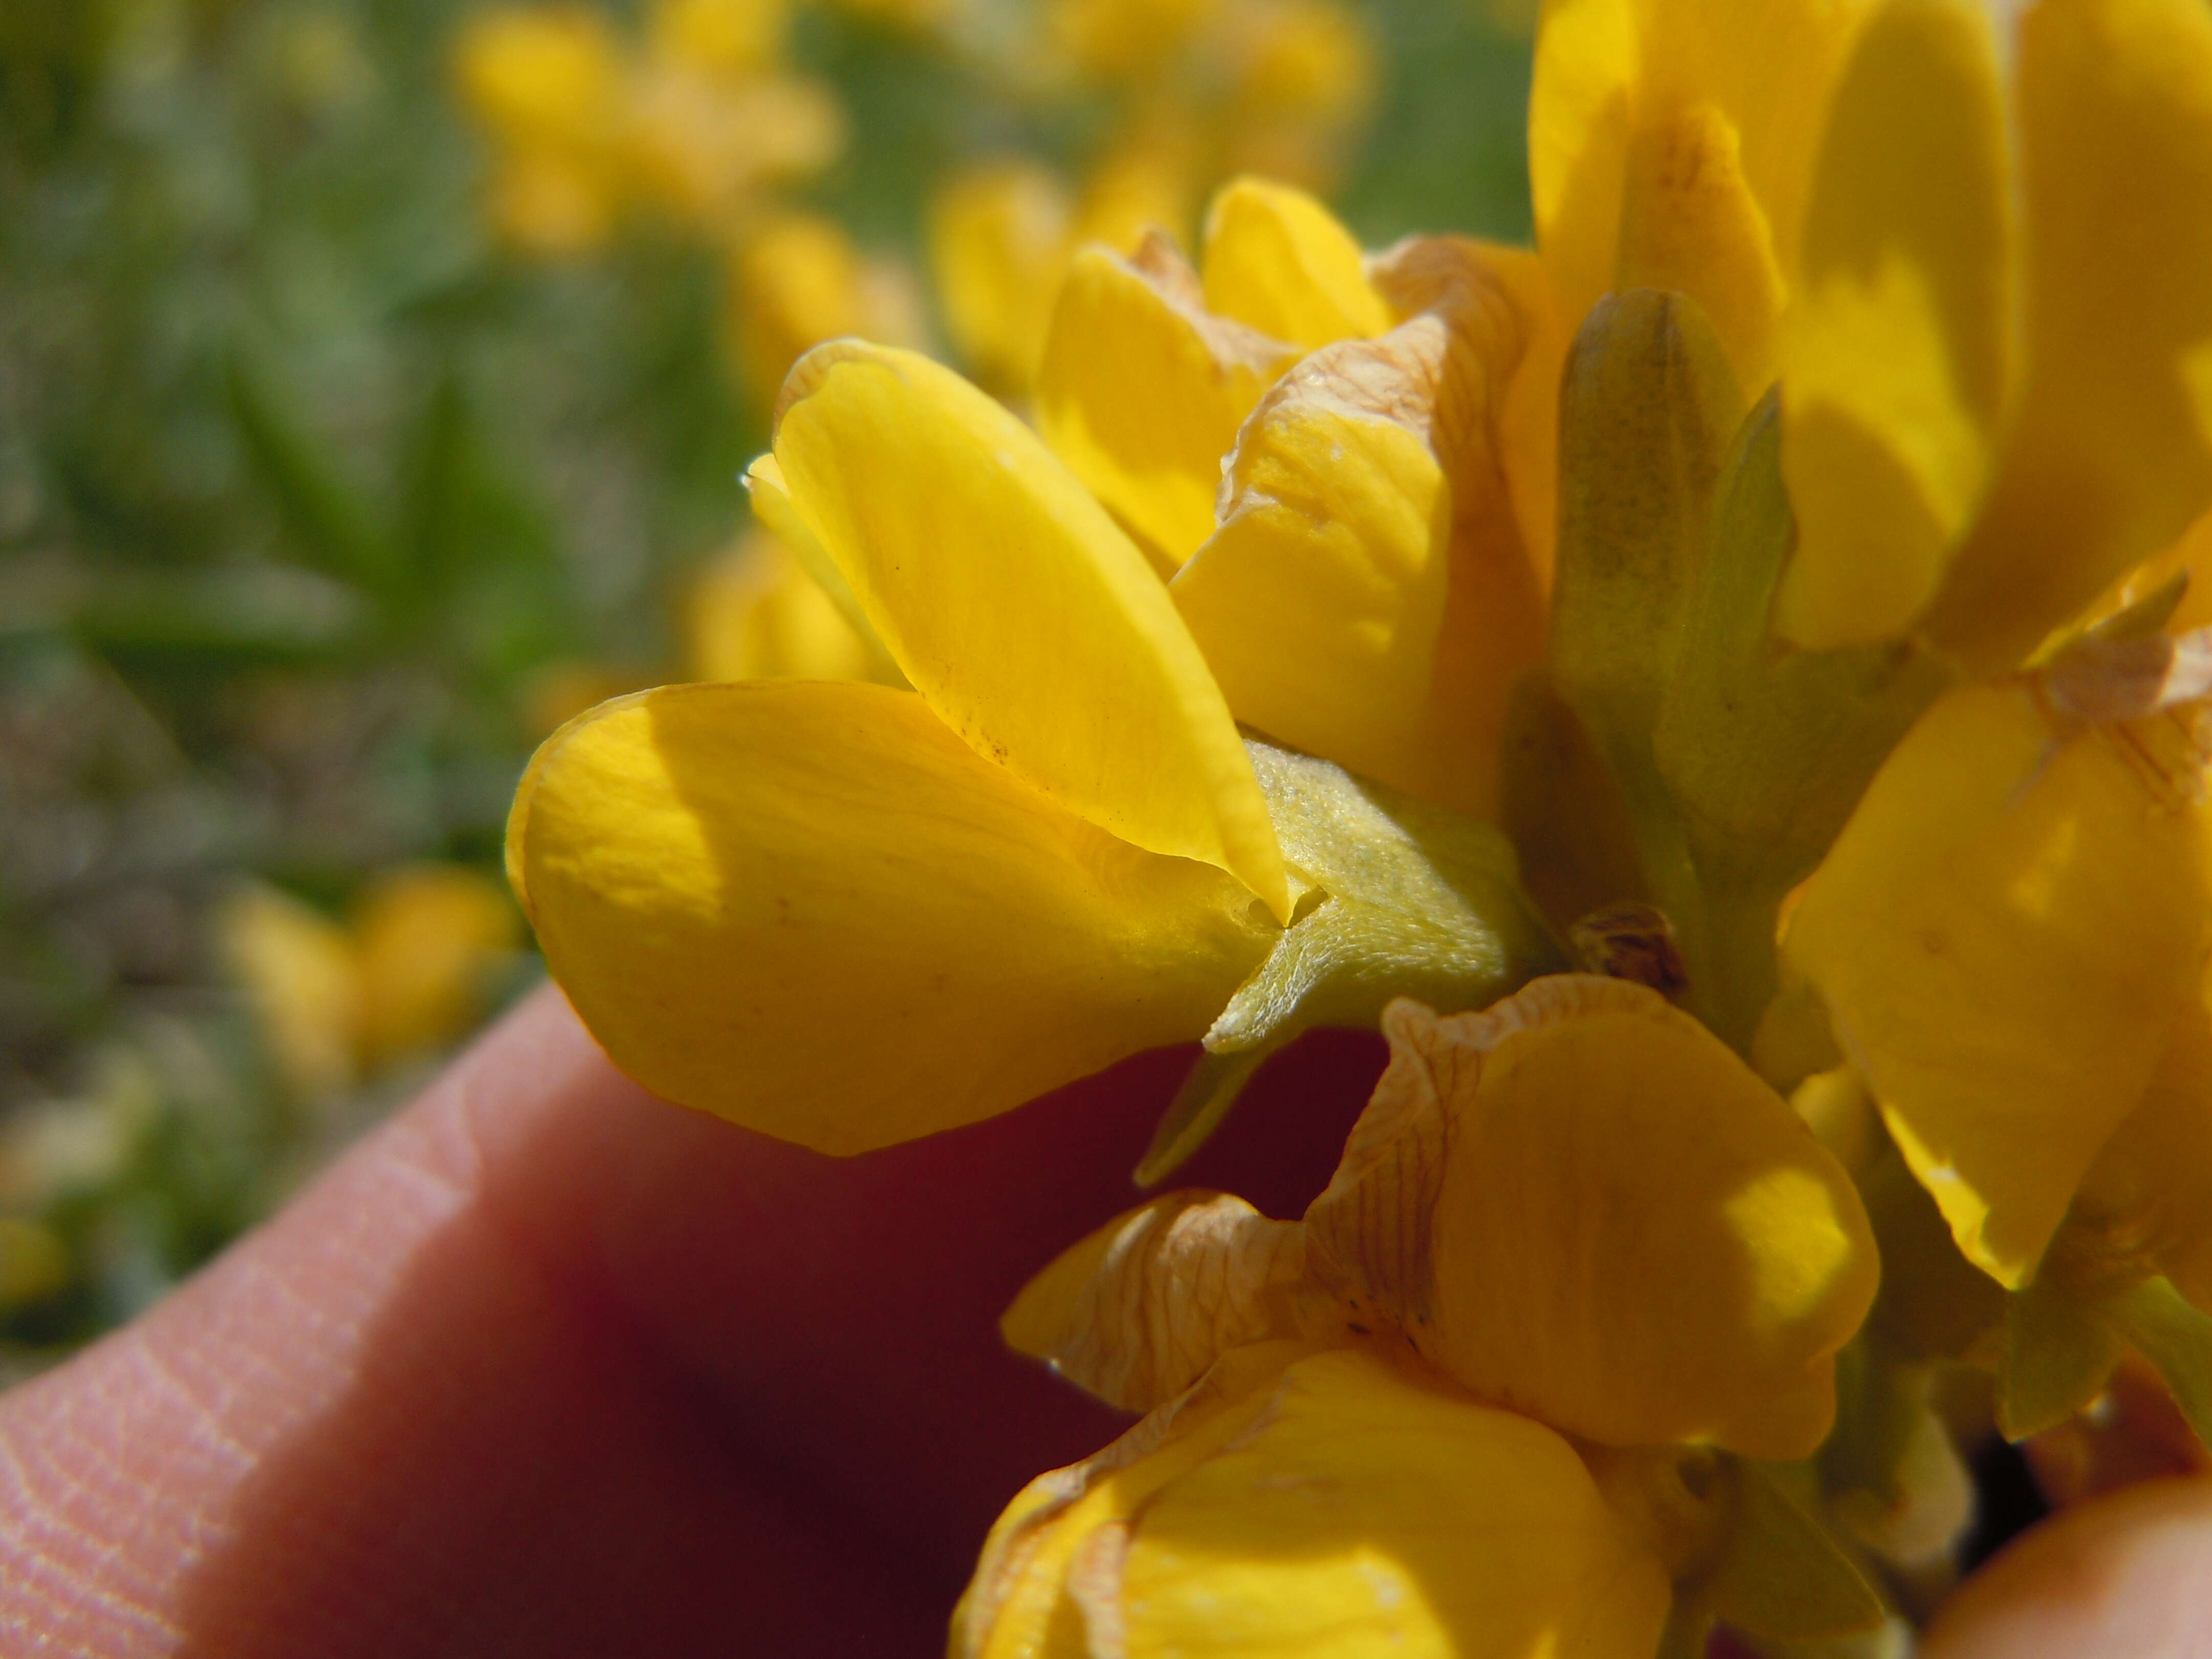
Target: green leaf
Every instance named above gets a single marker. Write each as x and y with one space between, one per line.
2058 1351
1408 900
228 617
1781 1574
2176 1337
1400 898
1766 749
1563 809
327 520
1197 1111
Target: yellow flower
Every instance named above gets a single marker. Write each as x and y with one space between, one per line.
797 280
408 973
1054 851
700 123
1201 91
1492 1311
999 237
546 85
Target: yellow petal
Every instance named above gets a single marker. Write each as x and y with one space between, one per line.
1142 391
774 510
541 76
1670 143
1141 1308
1032 623
1581 1204
298 970
2004 933
753 613
2149 1193
1366 597
1053 1558
1364 1513
2112 457
1898 344
999 242
1277 260
429 941
811 909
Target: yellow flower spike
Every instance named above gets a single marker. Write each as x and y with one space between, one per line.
541 77
1124 38
1034 627
1142 391
730 38
426 940
1365 596
1362 1512
1670 142
1303 75
703 148
1139 1311
897 935
546 84
1277 260
2112 454
999 240
1582 1205
2005 933
1899 344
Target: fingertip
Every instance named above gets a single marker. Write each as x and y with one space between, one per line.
2130 1574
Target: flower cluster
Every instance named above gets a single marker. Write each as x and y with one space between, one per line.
1196 91
705 123
1723 691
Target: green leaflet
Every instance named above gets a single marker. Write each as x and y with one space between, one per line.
2058 1351
2177 1339
1646 410
1766 749
1403 899
1780 1574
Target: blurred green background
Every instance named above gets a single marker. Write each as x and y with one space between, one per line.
322 500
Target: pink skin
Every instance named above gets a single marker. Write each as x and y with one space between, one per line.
547 1367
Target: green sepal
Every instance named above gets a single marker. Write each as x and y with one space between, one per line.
1780 1573
2176 1338
1766 749
1563 808
1399 898
1197 1111
2058 1353
1647 407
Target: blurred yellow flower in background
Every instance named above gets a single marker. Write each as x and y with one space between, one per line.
1199 90
546 84
701 121
412 969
